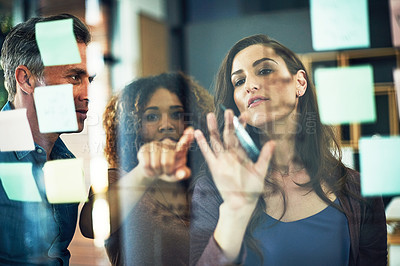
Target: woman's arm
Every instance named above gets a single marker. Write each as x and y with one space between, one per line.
157 160
239 181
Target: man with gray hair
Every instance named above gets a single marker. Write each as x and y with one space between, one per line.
39 233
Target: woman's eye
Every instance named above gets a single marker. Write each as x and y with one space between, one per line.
178 115
265 71
151 117
239 82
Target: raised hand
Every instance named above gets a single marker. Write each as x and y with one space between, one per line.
166 159
239 180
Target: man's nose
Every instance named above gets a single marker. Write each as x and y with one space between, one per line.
83 94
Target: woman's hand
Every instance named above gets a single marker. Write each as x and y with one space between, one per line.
166 159
239 180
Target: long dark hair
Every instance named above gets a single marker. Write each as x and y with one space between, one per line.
314 141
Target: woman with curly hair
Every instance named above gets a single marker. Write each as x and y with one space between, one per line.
149 132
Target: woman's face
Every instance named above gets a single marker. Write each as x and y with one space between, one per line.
163 117
263 85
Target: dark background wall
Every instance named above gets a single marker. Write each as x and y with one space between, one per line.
203 31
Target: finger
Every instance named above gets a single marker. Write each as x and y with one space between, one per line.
244 118
185 141
180 174
262 164
145 161
205 149
230 139
215 139
155 157
167 159
183 173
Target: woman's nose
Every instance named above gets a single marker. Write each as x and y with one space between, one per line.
251 85
166 125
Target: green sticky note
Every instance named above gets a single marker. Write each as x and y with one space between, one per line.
55 108
57 43
18 182
339 24
346 94
64 181
379 165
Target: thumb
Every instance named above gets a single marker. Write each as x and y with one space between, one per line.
183 173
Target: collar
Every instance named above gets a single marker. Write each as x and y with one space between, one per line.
59 151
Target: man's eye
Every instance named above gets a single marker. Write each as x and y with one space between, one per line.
75 77
239 82
151 117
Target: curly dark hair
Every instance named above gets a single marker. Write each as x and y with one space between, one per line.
122 118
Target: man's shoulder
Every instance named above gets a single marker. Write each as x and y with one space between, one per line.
61 151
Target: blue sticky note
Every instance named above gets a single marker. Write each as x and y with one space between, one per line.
57 43
379 165
55 108
64 181
339 24
18 182
351 100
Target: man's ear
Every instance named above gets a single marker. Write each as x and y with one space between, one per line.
25 80
301 83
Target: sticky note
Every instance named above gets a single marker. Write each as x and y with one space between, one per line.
64 181
55 108
15 133
18 182
396 78
346 94
379 165
339 24
57 43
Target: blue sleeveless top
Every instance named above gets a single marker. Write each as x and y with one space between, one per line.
321 239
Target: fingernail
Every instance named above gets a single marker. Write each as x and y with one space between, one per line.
180 174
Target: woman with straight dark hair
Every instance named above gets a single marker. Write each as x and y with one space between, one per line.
297 204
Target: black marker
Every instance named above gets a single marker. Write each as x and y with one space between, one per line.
244 138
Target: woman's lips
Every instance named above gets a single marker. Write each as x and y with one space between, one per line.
253 102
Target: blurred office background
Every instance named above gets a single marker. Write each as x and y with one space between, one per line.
134 38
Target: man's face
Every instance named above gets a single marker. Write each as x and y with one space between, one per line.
76 75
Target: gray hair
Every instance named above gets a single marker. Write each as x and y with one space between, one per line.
20 48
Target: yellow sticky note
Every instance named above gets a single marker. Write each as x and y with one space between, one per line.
57 43
18 182
64 181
